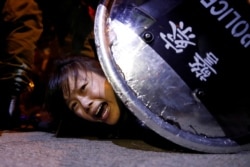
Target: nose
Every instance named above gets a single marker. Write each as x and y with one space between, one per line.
85 102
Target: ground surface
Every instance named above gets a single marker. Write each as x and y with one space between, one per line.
42 149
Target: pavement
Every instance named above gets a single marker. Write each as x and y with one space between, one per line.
44 149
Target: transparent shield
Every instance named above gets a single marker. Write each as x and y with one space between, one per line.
152 54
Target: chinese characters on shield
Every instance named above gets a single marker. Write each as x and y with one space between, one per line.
179 39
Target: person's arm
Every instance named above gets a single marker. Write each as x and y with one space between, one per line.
22 21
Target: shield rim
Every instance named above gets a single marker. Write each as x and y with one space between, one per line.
191 141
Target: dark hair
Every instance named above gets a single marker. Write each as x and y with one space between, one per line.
65 122
63 67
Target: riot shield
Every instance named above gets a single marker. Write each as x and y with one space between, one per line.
181 67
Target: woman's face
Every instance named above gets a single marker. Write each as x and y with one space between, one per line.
90 96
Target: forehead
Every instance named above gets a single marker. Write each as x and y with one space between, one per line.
73 79
79 76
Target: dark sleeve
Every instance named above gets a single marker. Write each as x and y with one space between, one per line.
21 27
24 20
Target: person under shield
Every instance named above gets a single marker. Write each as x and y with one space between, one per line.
79 94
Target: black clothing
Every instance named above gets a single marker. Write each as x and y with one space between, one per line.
20 28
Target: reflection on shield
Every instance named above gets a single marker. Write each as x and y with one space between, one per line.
180 67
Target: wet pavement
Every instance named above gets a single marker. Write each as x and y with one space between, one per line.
40 149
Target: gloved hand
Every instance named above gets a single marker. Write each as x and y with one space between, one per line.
15 82
15 78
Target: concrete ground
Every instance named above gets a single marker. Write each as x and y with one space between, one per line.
43 149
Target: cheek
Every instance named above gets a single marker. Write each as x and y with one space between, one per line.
100 86
83 115
79 113
109 92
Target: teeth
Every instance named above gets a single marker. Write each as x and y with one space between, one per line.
98 110
101 110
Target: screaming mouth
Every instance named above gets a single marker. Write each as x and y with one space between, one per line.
101 110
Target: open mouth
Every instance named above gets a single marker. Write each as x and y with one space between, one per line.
101 111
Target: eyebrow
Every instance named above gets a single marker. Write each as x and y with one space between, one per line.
75 76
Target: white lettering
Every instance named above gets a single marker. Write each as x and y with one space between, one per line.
207 3
225 14
239 27
180 37
244 40
214 12
234 20
236 33
202 67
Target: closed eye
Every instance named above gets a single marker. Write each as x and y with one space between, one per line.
73 106
83 86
